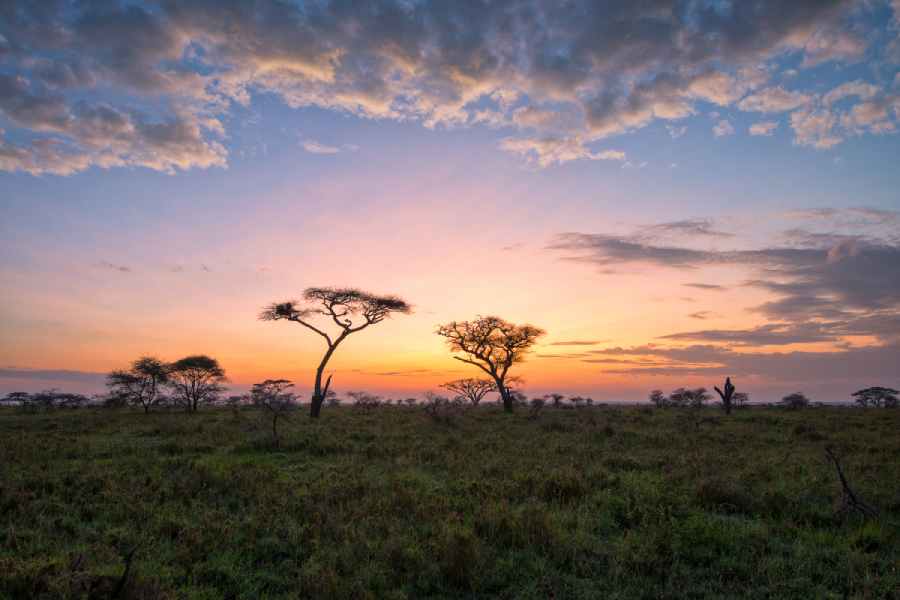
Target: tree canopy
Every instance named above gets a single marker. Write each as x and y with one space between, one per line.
491 344
351 309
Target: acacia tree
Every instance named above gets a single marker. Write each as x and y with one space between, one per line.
273 396
140 384
350 309
196 380
659 399
795 401
876 397
695 398
493 345
472 389
556 399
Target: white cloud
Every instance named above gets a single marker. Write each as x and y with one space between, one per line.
723 128
763 128
548 151
773 99
314 147
676 131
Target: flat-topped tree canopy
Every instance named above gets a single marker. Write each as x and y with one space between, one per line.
350 309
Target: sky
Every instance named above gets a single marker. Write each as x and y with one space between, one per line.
676 191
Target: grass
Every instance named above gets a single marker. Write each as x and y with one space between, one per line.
591 503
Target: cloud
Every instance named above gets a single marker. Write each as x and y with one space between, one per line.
578 343
764 335
315 147
676 131
701 315
705 286
773 100
836 279
723 128
113 267
763 128
61 375
846 366
688 228
119 84
551 150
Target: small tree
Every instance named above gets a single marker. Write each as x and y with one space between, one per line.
470 388
365 400
741 399
659 399
272 395
726 394
493 345
196 380
694 398
557 399
141 384
876 397
20 399
795 401
350 309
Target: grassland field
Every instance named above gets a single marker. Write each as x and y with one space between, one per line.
601 502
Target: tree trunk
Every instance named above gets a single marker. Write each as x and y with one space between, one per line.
318 397
505 396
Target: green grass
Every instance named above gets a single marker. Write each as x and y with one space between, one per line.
591 503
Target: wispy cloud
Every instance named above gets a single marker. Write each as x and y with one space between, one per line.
105 264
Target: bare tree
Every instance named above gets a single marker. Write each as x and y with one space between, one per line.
726 394
659 399
272 395
471 388
493 345
141 384
876 397
350 309
196 380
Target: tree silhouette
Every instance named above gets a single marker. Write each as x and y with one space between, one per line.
493 345
876 397
471 388
273 396
659 399
727 395
140 384
196 380
350 309
795 401
557 399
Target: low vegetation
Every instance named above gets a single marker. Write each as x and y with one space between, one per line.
396 502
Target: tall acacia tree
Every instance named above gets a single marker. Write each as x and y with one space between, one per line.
493 345
350 309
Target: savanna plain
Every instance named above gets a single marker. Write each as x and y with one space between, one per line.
397 502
